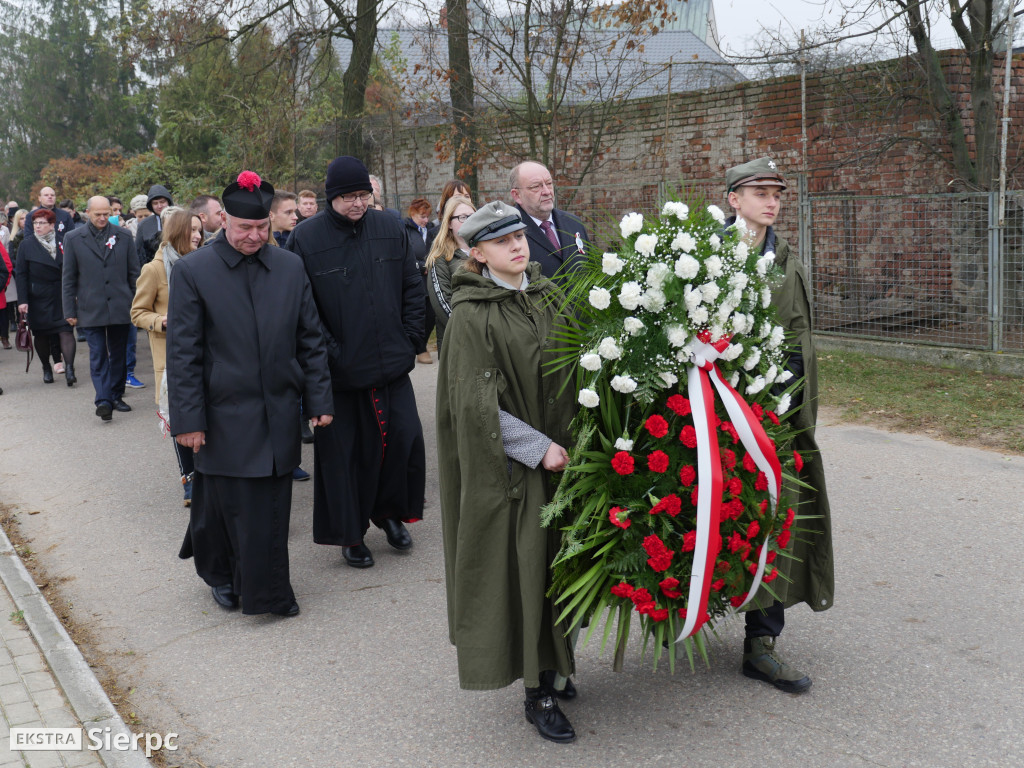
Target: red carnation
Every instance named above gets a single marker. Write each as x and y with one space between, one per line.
693 495
670 504
658 614
622 589
679 404
718 585
615 514
689 541
752 568
771 557
798 460
757 410
657 461
688 436
737 600
783 539
657 426
753 529
723 566
622 463
745 552
728 459
748 463
763 506
687 475
735 542
660 556
731 510
728 427
761 484
734 486
670 588
249 180
790 517
773 417
771 576
641 596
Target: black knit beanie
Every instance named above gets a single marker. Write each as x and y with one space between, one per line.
346 174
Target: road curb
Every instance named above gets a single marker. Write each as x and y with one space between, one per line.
84 693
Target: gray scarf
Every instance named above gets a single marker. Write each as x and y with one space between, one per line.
170 257
49 241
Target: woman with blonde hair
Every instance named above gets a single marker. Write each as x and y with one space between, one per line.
182 233
447 253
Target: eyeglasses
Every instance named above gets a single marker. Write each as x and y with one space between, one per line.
461 218
363 197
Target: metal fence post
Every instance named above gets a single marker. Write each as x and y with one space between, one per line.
994 262
805 250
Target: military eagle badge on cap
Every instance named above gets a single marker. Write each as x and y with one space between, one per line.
771 164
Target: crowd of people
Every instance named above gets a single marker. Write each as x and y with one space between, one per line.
272 322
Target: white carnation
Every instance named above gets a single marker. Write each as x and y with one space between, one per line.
716 214
699 316
710 292
753 360
675 208
766 297
684 242
611 264
766 329
653 300
623 384
763 263
756 385
631 224
629 295
677 335
588 398
735 296
771 374
670 379
657 274
608 349
632 326
692 297
783 405
738 280
714 267
687 267
717 332
739 323
591 362
734 379
742 251
715 241
786 376
777 337
646 244
600 298
622 444
732 352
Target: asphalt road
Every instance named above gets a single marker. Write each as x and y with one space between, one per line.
918 664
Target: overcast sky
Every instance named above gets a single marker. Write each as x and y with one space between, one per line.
740 21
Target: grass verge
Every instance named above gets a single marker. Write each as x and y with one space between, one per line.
964 407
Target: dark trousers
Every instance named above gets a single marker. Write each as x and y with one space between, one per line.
133 335
186 459
766 623
107 366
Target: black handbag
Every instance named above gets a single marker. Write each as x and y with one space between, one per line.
23 340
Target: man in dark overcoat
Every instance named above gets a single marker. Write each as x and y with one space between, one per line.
48 200
556 237
244 346
98 286
147 237
370 465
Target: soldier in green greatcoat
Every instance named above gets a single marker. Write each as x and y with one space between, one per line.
755 192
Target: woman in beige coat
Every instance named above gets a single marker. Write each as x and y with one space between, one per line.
182 233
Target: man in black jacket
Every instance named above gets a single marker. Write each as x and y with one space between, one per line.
147 236
48 199
370 465
98 284
244 346
556 238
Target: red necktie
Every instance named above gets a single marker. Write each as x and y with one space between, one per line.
550 232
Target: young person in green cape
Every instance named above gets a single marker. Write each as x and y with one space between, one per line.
755 192
501 427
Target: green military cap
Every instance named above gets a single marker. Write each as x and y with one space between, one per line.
762 172
490 221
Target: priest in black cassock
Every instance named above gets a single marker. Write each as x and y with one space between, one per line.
244 346
370 465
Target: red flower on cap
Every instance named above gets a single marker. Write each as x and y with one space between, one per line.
249 180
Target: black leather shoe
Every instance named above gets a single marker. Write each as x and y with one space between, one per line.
225 596
358 556
547 680
397 534
47 376
291 610
69 374
104 411
121 405
550 722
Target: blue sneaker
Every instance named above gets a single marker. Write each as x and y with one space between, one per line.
300 474
132 382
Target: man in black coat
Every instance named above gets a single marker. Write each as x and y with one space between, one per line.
244 348
48 199
98 286
556 237
147 236
371 464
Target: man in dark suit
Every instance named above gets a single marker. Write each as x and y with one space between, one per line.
98 285
556 238
48 199
244 350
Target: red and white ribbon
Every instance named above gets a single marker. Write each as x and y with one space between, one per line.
701 375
